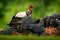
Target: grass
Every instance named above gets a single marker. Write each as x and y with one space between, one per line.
30 37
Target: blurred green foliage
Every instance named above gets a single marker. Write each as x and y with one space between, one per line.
30 37
41 8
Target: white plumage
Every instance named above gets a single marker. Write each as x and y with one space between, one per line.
21 14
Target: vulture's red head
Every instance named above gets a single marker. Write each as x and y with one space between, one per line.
31 6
